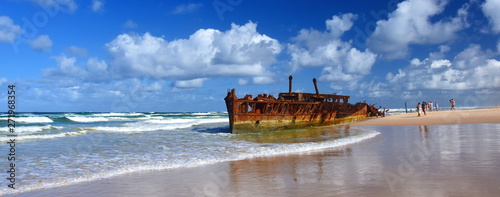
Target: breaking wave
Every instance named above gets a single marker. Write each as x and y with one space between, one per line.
87 119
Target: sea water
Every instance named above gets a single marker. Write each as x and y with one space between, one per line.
58 149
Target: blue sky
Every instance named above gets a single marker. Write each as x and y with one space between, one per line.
104 55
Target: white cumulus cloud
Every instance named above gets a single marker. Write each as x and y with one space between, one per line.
240 51
440 63
93 70
411 23
8 30
3 81
97 5
471 57
187 8
490 10
66 68
193 83
443 74
439 78
340 60
263 80
130 24
41 43
82 52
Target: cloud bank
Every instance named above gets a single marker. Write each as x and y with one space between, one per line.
238 52
472 69
147 62
339 59
411 23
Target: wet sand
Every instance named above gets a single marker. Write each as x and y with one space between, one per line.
423 160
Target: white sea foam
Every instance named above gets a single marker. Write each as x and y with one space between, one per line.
118 114
87 119
131 129
33 119
142 127
190 121
215 120
131 119
32 129
160 124
48 136
171 121
202 113
154 117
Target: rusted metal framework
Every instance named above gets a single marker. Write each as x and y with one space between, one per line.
291 110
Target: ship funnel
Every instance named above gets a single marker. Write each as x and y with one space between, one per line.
315 86
290 84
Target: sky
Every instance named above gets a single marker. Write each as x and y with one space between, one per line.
184 56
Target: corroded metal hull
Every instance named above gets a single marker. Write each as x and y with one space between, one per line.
291 110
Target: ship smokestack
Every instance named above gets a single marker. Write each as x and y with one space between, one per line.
290 84
316 86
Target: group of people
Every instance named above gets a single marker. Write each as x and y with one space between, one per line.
424 106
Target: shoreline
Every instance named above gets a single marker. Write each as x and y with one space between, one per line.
367 164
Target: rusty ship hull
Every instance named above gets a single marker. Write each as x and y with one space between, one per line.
291 110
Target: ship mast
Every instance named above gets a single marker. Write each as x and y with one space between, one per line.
316 86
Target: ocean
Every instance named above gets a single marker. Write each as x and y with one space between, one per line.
59 149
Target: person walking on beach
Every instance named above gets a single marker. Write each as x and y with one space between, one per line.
418 109
424 108
436 105
430 105
452 102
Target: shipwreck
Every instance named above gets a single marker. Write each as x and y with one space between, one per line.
292 110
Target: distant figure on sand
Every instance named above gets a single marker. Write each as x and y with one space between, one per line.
424 108
418 109
437 106
429 105
452 102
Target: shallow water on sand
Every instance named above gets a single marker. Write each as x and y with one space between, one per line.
438 160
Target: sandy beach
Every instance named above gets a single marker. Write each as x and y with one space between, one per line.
488 115
449 153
